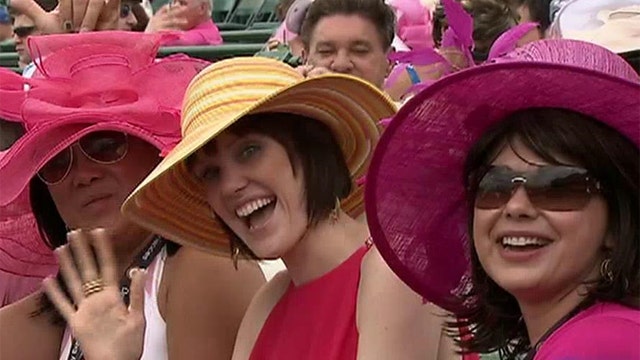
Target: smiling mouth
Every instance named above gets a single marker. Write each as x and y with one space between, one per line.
256 212
523 243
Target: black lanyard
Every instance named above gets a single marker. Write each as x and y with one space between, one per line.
534 350
142 260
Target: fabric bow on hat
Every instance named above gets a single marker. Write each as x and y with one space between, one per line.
107 77
90 82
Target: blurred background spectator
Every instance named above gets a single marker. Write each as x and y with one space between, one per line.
189 20
5 24
23 27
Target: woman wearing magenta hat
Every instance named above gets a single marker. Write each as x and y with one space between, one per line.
508 193
99 114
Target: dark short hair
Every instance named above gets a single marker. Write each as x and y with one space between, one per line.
311 148
611 158
376 11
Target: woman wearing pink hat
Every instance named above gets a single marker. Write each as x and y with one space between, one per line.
99 114
267 168
517 202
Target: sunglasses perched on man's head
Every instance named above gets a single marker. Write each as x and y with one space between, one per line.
553 188
102 147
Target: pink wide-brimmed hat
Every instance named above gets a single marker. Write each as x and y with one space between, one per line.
86 83
22 252
414 197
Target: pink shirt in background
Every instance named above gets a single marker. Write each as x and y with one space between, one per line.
205 33
602 331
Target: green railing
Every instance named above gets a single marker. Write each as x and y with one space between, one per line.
210 53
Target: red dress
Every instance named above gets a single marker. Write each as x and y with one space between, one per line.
316 320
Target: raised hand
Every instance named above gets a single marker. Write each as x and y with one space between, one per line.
100 321
72 15
170 17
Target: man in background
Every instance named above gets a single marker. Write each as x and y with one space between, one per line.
189 20
361 51
23 27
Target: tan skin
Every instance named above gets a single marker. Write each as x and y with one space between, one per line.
189 295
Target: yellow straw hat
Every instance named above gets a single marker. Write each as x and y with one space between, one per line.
171 202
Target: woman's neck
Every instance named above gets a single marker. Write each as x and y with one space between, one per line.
540 317
324 247
127 245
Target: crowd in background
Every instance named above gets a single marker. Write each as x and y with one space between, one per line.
469 113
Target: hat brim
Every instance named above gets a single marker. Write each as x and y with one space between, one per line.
415 200
22 252
21 162
171 203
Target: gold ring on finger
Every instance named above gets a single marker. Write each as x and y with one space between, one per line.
92 287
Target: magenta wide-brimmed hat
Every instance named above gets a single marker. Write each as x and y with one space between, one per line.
86 83
414 197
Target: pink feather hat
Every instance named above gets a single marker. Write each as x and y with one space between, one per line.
86 83
414 196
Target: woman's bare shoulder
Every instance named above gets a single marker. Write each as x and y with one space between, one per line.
24 335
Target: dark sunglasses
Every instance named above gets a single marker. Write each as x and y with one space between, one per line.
552 188
23 31
102 147
125 10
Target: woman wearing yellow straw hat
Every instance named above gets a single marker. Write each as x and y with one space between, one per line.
265 169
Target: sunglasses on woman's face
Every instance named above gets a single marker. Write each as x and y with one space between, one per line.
552 188
23 31
102 147
125 10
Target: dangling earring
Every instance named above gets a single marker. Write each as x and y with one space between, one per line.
605 270
234 256
335 213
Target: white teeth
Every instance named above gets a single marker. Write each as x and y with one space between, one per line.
522 241
253 205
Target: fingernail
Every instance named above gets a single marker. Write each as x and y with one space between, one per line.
132 272
60 248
